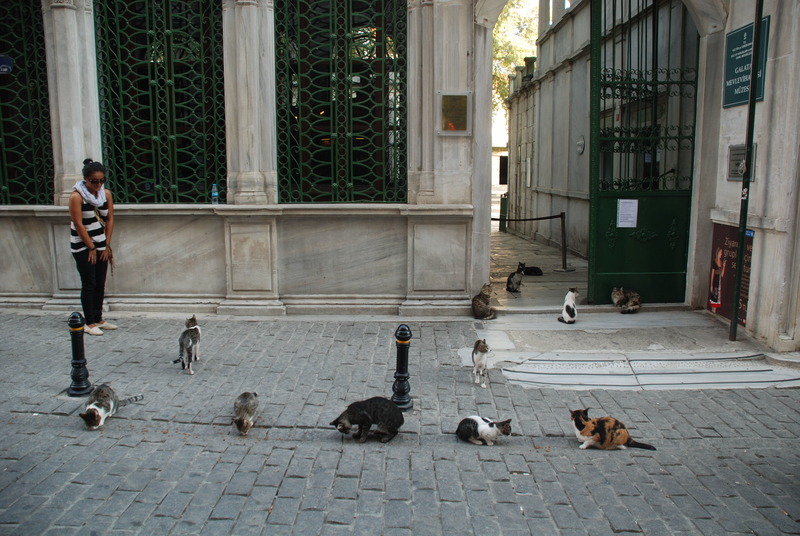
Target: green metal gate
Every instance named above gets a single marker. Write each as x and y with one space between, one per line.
162 103
26 150
341 100
643 100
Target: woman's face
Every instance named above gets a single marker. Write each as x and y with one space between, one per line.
94 182
719 257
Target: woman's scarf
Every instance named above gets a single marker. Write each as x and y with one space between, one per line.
87 196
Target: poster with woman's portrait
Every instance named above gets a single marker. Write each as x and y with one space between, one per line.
724 249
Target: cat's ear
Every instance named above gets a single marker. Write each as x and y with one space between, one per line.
503 423
335 422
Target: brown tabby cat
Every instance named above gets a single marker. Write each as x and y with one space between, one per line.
603 433
628 299
480 304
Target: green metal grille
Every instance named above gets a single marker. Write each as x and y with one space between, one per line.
648 91
643 99
26 151
341 101
160 75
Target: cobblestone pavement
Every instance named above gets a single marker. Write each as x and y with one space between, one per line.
727 460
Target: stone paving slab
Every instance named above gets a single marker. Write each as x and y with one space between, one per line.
727 460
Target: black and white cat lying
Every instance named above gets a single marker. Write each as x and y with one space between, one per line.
478 430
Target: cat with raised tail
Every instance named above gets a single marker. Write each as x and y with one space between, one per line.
604 433
515 278
379 411
480 354
570 312
103 402
628 299
244 412
480 304
478 430
189 344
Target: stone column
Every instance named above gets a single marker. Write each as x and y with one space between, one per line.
245 90
482 157
421 99
544 17
558 11
72 77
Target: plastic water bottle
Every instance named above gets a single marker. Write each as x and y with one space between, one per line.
214 195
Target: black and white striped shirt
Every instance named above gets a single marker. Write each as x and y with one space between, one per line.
93 227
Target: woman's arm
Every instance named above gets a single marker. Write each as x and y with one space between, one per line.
109 226
75 202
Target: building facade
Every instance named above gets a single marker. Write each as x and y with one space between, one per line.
666 151
349 143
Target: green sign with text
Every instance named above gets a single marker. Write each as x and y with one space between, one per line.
738 54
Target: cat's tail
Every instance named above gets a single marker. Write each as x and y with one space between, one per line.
561 319
637 445
131 400
630 309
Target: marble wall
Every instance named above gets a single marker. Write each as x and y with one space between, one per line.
252 260
549 115
774 207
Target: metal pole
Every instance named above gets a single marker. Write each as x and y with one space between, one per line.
80 374
563 242
564 268
748 169
401 387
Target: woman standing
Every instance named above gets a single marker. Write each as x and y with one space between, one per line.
91 210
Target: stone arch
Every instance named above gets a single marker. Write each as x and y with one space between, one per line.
709 15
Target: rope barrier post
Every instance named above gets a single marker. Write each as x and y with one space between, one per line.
564 268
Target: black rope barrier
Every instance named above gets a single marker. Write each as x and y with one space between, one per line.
563 218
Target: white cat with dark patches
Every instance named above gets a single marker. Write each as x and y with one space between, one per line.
480 355
102 404
514 279
570 312
478 430
189 344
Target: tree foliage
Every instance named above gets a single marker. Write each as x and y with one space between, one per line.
514 39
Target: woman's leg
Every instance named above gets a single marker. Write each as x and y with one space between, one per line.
101 270
88 283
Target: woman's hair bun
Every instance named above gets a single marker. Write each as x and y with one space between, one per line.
87 161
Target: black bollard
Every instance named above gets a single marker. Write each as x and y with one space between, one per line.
401 387
80 374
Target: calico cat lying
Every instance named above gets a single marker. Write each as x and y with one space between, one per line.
480 353
102 404
379 411
478 430
480 304
603 433
570 312
244 412
628 299
515 279
189 344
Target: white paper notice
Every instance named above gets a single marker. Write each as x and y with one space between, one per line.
627 212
